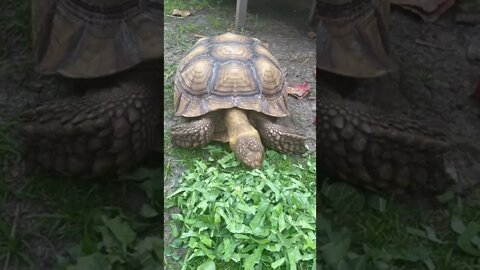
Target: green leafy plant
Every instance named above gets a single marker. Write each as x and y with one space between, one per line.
113 240
248 218
360 230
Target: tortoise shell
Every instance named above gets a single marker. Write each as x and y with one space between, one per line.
89 38
228 71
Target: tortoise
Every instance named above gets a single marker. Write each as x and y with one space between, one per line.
362 144
113 51
233 89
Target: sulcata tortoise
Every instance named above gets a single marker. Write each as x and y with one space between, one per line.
364 145
114 124
232 88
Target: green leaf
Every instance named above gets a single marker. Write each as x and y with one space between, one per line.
457 224
431 234
277 263
262 208
293 257
253 258
205 239
148 211
344 198
464 241
94 261
281 222
121 230
337 249
378 203
88 246
207 265
228 249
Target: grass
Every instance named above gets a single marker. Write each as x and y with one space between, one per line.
15 30
170 5
360 230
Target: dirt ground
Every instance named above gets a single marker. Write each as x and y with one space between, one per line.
433 84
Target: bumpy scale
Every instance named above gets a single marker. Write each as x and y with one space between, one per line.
370 148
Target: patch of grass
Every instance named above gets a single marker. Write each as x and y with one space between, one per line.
220 21
169 73
15 30
170 5
360 230
189 28
83 223
8 146
111 238
231 217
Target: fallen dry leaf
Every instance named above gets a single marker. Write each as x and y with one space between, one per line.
181 13
299 90
199 36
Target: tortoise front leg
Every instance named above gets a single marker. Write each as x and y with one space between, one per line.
279 137
194 134
105 131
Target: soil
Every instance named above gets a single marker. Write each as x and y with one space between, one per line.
433 84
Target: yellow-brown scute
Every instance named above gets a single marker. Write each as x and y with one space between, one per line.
229 71
230 52
233 80
271 77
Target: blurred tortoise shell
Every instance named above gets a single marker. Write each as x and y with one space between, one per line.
94 38
229 71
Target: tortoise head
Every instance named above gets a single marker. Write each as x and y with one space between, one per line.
249 150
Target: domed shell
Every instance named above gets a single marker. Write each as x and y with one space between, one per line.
228 71
90 38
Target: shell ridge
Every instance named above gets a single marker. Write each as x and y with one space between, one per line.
213 74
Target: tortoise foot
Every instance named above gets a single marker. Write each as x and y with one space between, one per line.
103 132
194 134
279 137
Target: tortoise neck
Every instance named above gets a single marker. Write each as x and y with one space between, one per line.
237 124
